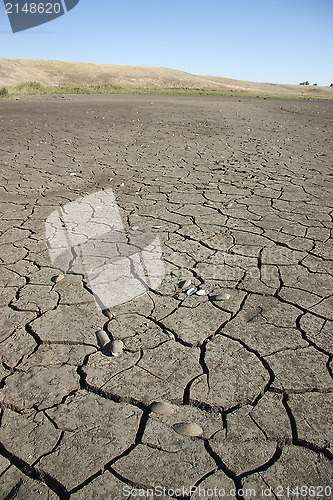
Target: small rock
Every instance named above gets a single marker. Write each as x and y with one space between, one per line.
103 339
185 284
191 291
202 292
108 313
58 278
221 296
162 408
192 430
116 347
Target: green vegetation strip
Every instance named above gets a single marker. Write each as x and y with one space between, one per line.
35 88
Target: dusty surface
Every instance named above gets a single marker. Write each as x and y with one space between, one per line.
53 73
241 192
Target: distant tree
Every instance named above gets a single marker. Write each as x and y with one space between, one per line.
307 83
315 85
331 85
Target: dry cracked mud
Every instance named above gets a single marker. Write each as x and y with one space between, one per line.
240 194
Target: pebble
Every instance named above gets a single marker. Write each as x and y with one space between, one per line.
202 292
103 339
192 430
221 296
108 313
116 347
185 284
58 278
162 408
191 291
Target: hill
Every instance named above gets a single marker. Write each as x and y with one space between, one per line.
15 72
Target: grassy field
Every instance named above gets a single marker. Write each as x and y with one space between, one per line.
34 76
35 88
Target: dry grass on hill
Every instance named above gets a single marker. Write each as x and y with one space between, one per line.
55 74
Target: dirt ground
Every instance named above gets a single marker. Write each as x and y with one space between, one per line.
239 194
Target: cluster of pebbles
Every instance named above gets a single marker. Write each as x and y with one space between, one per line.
183 428
116 346
186 286
160 408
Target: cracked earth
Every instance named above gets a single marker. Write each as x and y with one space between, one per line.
241 193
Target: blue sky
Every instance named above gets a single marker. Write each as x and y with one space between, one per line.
278 41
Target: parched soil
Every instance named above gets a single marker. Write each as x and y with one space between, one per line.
238 193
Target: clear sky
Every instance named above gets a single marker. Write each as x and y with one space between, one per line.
278 41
